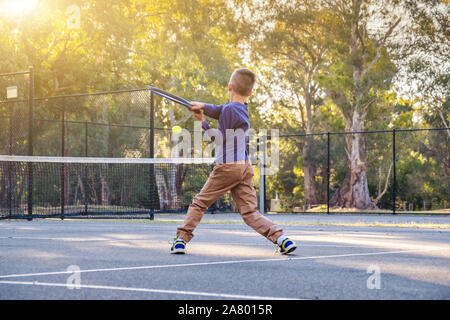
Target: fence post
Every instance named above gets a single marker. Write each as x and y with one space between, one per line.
269 138
394 186
86 167
30 141
262 160
63 165
152 126
328 172
9 168
10 134
152 181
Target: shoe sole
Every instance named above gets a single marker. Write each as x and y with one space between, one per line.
178 251
289 250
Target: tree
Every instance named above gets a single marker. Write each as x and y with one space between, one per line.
424 59
359 73
440 144
289 46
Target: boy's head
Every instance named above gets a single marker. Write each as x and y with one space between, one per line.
241 82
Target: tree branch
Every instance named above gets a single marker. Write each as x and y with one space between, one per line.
385 185
444 121
381 44
290 57
301 111
366 108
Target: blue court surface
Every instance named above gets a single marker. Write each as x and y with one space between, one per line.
338 257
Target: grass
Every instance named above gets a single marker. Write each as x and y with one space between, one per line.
384 224
322 209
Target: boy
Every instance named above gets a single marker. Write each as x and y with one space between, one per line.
232 170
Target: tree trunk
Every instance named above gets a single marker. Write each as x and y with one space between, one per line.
448 192
309 169
105 192
166 184
67 190
447 172
309 173
82 189
106 195
354 192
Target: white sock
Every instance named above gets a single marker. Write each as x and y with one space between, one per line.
281 239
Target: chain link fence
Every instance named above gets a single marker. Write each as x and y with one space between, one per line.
392 171
15 102
115 124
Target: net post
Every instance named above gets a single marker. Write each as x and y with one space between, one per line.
30 141
328 172
394 186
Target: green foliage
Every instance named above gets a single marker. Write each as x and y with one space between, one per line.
177 45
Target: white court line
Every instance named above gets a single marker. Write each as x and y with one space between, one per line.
219 263
195 293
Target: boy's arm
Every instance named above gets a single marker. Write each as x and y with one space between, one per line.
213 111
198 110
229 120
205 125
210 131
210 110
225 122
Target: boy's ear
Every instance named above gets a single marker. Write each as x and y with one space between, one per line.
230 88
251 92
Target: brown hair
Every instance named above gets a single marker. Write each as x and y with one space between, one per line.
242 81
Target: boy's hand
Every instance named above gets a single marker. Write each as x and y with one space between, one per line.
197 108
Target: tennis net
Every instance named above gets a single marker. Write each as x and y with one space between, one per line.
108 187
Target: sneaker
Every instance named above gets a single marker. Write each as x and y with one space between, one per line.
287 246
178 246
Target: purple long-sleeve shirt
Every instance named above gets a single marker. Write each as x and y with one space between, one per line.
233 120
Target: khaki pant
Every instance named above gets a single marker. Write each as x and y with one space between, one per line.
237 177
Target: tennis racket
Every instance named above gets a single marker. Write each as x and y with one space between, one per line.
171 97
